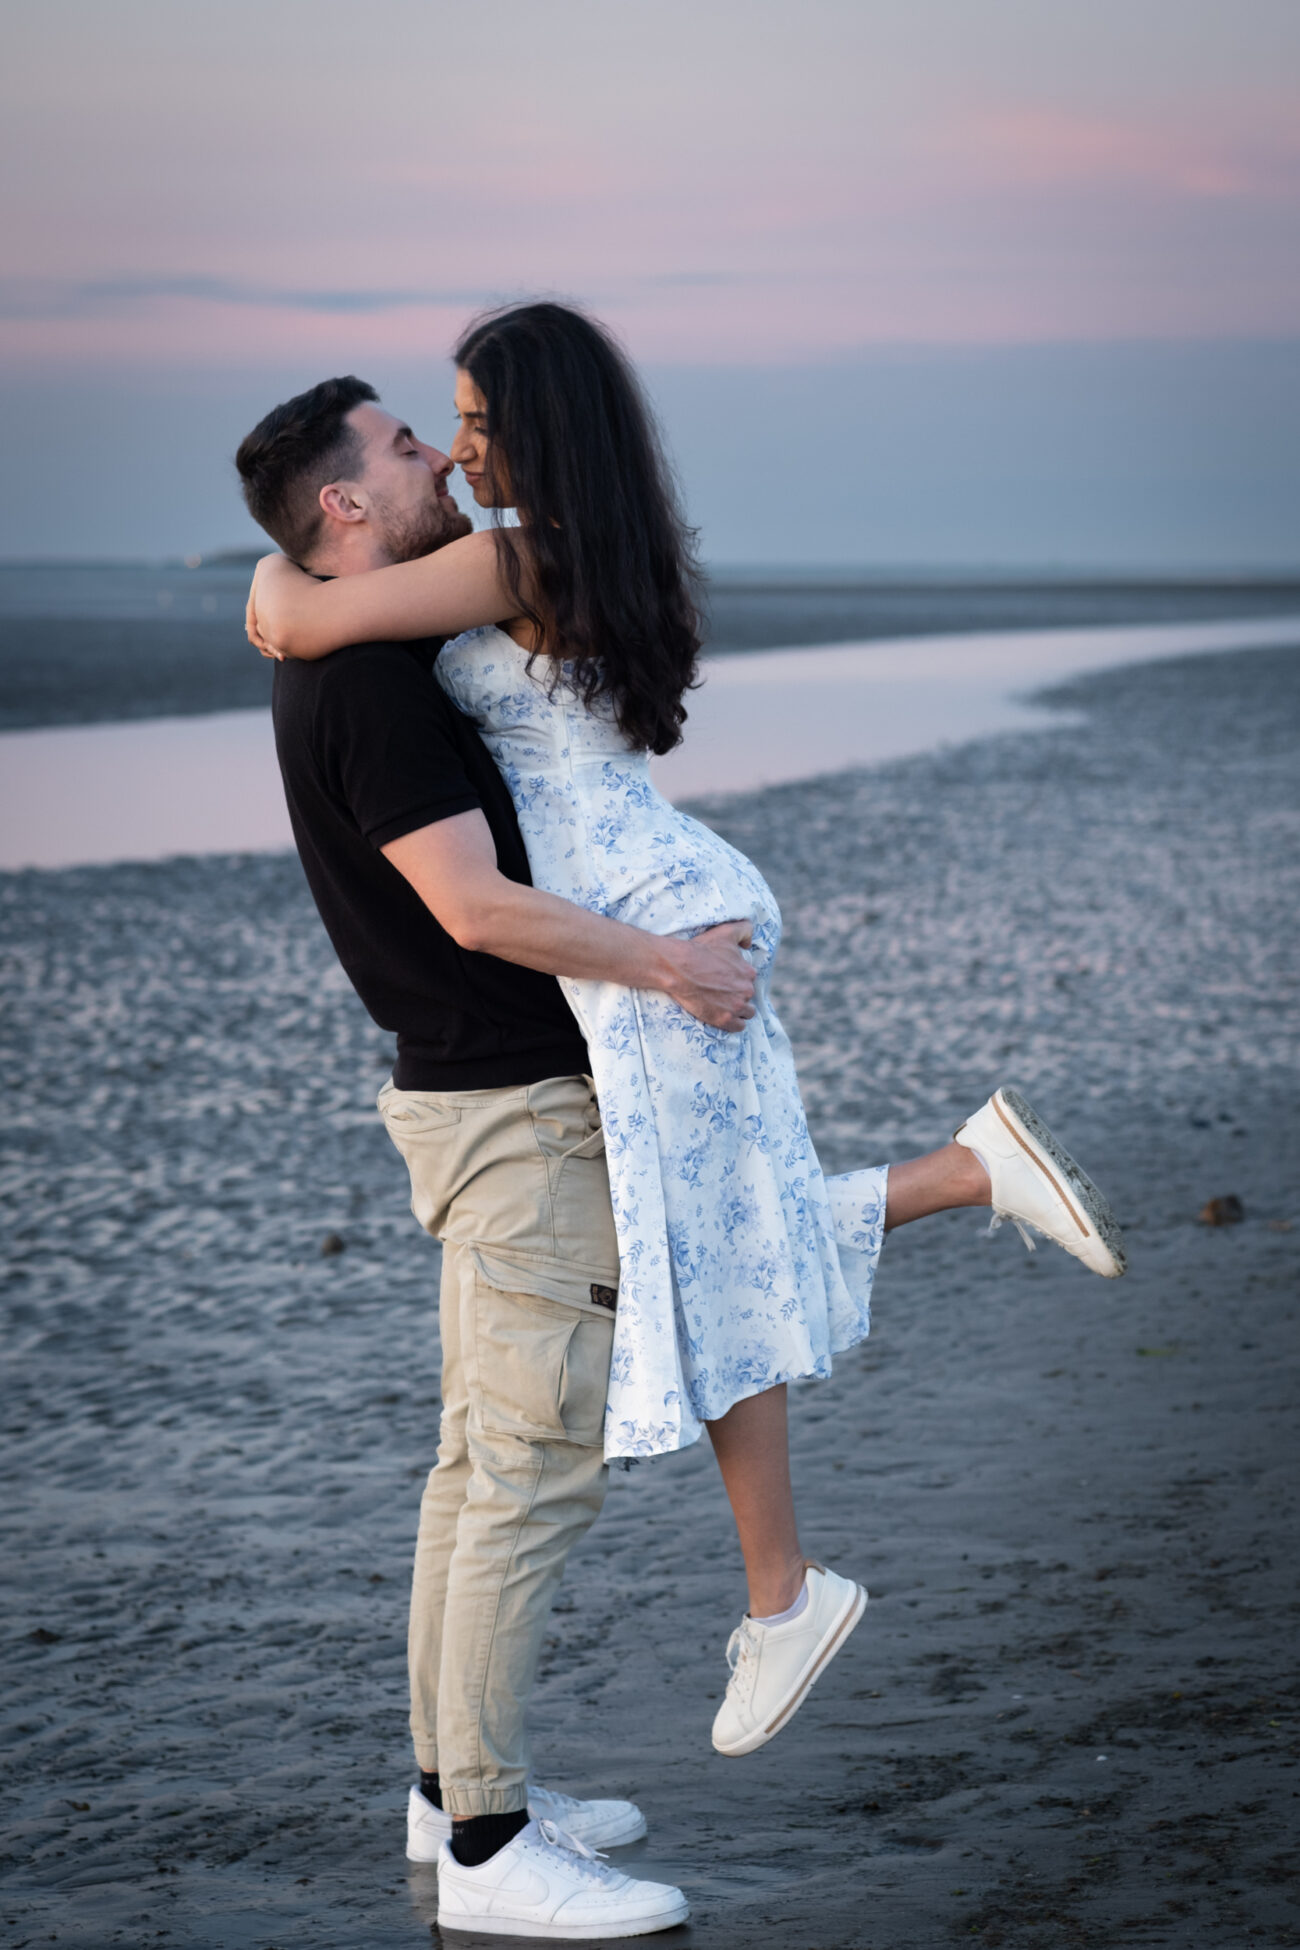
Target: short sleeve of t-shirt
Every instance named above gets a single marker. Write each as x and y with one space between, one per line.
387 743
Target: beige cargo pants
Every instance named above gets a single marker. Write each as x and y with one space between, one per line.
513 1182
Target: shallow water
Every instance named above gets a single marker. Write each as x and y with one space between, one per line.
1070 1716
73 796
90 643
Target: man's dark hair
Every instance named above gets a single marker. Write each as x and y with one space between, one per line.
293 453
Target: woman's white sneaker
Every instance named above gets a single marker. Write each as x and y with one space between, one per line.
773 1666
600 1824
1037 1184
548 1884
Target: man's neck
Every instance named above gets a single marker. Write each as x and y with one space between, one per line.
350 554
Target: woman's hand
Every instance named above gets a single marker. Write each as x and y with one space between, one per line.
274 577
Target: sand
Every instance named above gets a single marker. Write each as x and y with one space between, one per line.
1069 1716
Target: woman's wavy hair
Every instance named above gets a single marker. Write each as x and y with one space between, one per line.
616 582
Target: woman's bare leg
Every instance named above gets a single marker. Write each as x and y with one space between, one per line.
752 1447
751 1441
938 1182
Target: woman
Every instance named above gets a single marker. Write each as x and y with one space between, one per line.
742 1267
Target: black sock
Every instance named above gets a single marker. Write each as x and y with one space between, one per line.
479 1837
429 1787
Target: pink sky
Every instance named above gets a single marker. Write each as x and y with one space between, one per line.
730 180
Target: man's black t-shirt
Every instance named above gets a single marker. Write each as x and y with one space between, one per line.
370 749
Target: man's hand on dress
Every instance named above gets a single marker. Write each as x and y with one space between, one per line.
717 979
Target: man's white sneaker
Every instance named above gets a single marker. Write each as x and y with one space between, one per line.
600 1824
1037 1184
548 1884
773 1666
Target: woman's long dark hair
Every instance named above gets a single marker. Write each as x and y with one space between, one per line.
616 581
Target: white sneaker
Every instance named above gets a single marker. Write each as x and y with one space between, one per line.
773 1666
600 1824
1037 1183
546 1883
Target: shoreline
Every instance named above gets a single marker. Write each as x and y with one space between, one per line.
209 784
86 643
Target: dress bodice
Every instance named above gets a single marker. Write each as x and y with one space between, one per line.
521 713
596 827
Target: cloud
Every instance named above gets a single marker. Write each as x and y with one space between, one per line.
1183 159
47 298
67 298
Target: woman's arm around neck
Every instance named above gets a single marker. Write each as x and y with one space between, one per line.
458 587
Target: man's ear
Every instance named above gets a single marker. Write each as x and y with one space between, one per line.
340 502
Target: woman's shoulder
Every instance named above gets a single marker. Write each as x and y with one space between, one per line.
482 639
480 663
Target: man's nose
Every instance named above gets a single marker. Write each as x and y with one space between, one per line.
440 463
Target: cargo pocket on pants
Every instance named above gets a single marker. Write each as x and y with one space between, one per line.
543 1336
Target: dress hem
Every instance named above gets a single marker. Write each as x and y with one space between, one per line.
625 1457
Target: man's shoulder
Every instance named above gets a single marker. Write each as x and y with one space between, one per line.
359 661
305 691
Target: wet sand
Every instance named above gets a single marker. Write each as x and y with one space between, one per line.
1069 1716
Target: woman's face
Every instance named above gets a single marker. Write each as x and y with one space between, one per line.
470 450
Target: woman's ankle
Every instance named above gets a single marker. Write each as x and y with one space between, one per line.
941 1181
776 1589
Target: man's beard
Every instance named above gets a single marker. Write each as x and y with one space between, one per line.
408 533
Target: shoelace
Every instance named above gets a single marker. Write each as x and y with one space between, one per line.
742 1658
591 1862
1031 1244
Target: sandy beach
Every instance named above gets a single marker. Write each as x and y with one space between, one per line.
1069 1717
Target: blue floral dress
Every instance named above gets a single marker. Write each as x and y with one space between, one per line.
741 1266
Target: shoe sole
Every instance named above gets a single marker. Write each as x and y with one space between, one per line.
1077 1192
830 1645
562 1932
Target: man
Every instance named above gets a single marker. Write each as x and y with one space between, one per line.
411 849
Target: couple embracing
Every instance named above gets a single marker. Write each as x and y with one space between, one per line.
596 1103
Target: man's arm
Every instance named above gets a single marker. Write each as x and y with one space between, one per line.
452 866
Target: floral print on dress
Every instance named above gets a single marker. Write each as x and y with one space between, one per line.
741 1266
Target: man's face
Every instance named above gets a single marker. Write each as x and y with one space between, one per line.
402 485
